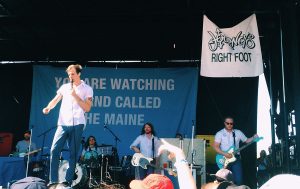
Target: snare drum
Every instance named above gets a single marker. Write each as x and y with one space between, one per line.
80 179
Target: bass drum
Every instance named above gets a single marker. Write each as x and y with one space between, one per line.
80 176
90 155
90 159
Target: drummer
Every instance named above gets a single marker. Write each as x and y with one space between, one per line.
90 150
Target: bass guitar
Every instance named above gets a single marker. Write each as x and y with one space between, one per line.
223 162
139 159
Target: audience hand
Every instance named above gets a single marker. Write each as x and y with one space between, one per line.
175 152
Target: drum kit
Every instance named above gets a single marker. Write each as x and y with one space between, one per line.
93 170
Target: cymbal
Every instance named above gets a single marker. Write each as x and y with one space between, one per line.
104 145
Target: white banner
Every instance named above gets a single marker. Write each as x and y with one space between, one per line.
231 52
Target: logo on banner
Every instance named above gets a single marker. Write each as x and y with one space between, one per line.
231 52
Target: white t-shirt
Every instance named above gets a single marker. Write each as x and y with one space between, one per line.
225 139
70 112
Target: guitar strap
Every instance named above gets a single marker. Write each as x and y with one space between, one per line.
233 134
153 147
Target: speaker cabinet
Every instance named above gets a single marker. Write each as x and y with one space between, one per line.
5 143
210 151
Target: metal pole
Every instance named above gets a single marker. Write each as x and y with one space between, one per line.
28 156
192 147
273 153
285 126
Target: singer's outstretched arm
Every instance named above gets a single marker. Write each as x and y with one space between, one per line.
52 103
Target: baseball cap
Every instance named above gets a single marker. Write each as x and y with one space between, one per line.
152 181
224 174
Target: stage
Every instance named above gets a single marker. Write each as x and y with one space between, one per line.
11 168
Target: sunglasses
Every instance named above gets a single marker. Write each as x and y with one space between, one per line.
227 123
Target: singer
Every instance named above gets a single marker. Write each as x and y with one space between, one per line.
76 99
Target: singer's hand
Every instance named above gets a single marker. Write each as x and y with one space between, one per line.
46 110
73 92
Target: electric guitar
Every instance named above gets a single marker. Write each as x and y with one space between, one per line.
223 162
138 159
29 153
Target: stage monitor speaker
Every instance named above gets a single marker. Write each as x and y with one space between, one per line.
210 151
5 143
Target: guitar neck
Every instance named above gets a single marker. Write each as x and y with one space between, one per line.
32 152
243 147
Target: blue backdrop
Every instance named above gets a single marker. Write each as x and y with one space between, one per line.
124 99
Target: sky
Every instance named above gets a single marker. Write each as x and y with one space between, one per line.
263 116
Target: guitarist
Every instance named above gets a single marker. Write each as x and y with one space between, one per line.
227 138
147 144
22 146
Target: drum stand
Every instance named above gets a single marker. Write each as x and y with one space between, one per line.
92 182
91 185
101 168
107 175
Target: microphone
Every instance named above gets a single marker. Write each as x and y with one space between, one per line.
71 82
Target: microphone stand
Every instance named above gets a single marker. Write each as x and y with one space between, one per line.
116 138
45 164
28 156
193 150
44 135
116 143
181 143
